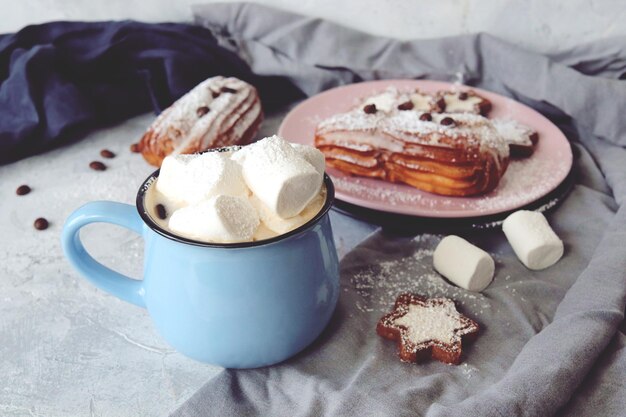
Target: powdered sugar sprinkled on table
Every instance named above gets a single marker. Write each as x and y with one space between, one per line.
379 285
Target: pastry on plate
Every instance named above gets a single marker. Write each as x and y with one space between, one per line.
450 154
218 112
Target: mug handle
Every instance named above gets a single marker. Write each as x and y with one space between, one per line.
106 279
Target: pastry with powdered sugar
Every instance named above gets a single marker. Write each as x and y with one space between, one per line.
218 112
449 154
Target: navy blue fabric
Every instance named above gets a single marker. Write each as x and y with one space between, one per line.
60 79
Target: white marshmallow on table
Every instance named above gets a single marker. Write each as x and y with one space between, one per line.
312 155
278 176
463 264
221 219
533 240
192 178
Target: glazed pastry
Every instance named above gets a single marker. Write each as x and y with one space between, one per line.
218 112
462 102
427 328
521 139
448 154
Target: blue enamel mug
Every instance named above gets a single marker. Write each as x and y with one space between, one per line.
242 305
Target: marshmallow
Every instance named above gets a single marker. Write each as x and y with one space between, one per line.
192 178
312 155
279 225
463 264
221 219
263 232
533 240
278 176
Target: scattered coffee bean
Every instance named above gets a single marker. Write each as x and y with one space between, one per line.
447 121
228 90
22 190
215 94
370 109
97 166
161 212
426 117
441 104
201 111
463 96
41 224
407 105
135 148
105 153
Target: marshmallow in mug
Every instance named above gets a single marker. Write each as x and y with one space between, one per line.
463 264
279 176
221 219
189 179
533 240
282 186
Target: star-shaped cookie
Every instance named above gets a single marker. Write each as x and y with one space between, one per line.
425 327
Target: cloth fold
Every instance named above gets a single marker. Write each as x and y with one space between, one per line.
543 331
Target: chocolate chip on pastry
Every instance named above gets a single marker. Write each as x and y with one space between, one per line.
407 105
521 139
424 328
369 108
447 121
218 112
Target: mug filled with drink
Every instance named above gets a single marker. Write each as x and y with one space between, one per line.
240 266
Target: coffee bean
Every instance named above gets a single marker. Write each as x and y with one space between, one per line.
97 166
41 224
215 94
447 121
463 96
161 212
228 90
105 153
22 190
201 111
370 109
407 105
426 117
135 148
441 105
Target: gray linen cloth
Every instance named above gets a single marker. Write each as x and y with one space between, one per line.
550 340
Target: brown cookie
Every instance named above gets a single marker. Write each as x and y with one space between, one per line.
520 138
425 327
461 102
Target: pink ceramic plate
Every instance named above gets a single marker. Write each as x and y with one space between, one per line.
525 180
